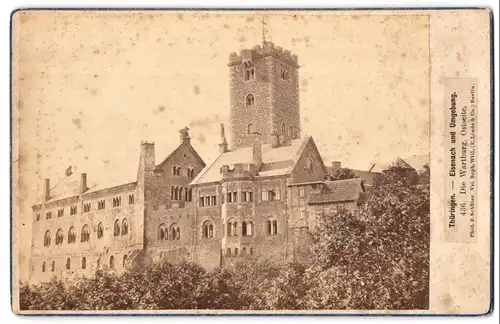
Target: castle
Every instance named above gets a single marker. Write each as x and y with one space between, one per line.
259 199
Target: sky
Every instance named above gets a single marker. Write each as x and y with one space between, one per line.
92 85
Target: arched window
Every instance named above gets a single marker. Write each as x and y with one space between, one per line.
243 251
43 266
207 229
100 230
85 236
236 252
84 263
162 232
176 193
46 239
53 266
190 195
59 236
228 252
175 232
180 193
290 130
250 129
232 228
124 227
174 170
116 231
251 251
283 129
246 228
249 100
124 260
112 262
272 226
68 264
71 235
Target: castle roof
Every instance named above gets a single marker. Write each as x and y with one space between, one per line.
368 177
415 162
275 161
338 191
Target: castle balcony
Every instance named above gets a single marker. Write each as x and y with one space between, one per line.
238 171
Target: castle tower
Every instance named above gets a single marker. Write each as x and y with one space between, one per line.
264 95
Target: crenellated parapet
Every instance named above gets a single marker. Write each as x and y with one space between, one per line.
238 171
267 49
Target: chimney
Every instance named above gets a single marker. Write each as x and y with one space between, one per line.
223 142
257 155
147 156
83 183
275 140
336 165
257 150
185 135
47 189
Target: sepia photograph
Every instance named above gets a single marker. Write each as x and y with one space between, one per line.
228 161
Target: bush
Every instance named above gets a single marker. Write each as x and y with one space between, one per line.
375 258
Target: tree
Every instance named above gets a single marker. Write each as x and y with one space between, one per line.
342 173
378 257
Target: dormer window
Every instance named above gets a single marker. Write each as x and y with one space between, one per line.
249 72
284 72
249 100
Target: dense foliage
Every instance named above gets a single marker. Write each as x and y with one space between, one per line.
375 258
342 173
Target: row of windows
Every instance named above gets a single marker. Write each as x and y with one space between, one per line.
247 228
180 193
208 201
235 252
87 207
249 72
245 196
83 264
85 233
250 129
177 170
165 234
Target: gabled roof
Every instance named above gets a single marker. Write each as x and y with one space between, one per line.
275 161
415 162
338 191
368 177
171 155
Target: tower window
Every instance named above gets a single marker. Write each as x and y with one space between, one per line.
249 100
290 130
283 129
250 129
249 73
284 72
